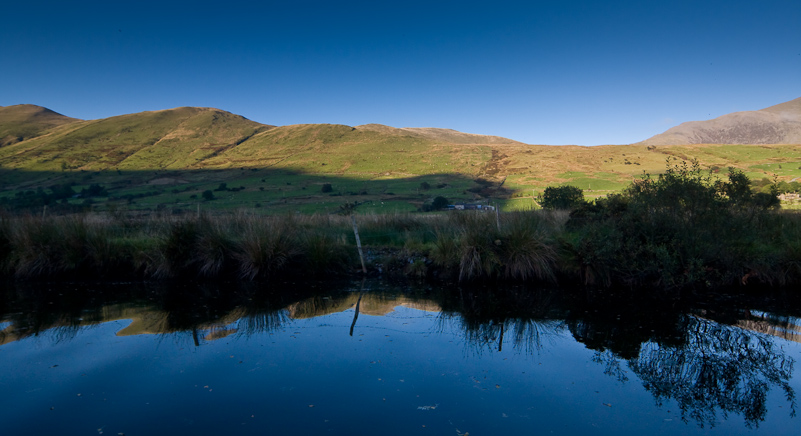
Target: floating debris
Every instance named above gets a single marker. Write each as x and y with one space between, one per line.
428 407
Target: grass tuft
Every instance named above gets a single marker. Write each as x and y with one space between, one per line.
266 247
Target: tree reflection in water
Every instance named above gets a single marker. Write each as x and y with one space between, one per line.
718 367
710 369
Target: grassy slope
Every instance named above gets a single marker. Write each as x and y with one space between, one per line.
175 138
22 122
183 151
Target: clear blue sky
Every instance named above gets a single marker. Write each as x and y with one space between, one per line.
541 72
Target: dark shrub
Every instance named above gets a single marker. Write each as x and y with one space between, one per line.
561 197
439 203
681 229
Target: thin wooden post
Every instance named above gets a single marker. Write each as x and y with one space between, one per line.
498 215
44 211
358 243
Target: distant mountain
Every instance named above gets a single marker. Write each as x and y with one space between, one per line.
779 124
26 121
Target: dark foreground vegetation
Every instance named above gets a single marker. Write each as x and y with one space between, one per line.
681 230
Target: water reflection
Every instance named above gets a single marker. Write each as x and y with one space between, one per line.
710 363
524 317
719 368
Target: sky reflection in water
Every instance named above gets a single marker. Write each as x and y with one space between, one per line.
201 360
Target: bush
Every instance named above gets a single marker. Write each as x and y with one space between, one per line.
681 229
94 190
208 195
561 197
439 203
327 188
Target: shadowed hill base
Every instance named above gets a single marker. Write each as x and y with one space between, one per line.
263 191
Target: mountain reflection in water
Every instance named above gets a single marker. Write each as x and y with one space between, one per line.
711 363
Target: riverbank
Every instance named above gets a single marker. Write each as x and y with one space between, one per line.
591 248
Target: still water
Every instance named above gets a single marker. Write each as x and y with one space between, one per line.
376 358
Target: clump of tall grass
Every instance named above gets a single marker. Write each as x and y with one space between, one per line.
445 251
478 247
521 246
45 247
266 248
526 249
37 248
214 247
174 251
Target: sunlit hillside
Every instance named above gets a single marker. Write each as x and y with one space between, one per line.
167 160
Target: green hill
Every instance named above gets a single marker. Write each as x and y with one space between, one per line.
168 158
25 121
176 138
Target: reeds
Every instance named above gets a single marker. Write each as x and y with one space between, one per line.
266 247
521 246
528 252
45 247
606 244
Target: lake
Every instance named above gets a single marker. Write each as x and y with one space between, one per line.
381 358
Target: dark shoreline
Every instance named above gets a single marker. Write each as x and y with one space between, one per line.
538 247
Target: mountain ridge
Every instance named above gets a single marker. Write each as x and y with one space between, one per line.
777 124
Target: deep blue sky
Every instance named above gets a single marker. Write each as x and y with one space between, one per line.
541 72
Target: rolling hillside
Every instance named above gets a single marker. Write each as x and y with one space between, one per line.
168 158
26 121
175 138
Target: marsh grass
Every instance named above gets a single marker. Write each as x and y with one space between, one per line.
528 252
660 243
520 246
214 248
266 248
